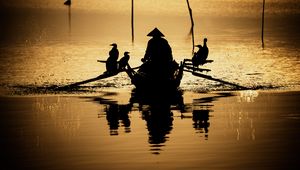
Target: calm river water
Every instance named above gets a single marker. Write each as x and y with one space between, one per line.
106 125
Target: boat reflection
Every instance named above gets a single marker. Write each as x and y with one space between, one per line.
159 121
158 113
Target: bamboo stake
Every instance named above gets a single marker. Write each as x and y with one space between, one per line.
70 25
262 25
69 3
192 26
132 21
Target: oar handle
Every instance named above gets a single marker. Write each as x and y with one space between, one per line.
101 61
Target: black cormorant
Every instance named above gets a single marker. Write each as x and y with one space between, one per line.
114 52
112 61
196 59
68 2
204 51
124 61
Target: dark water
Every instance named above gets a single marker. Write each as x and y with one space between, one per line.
241 130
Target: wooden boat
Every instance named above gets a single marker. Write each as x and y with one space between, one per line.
146 80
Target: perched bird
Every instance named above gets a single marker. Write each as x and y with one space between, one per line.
114 52
112 61
68 2
197 56
204 51
124 61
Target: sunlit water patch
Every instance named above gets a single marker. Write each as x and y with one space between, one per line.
61 64
44 52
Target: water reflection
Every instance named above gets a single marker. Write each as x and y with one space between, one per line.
159 121
158 111
248 96
201 121
200 116
56 109
116 116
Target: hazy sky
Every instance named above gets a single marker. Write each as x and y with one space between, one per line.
165 7
211 17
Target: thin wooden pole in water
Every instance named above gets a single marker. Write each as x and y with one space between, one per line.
192 26
69 19
68 3
132 21
262 25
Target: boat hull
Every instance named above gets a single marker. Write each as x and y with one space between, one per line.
147 82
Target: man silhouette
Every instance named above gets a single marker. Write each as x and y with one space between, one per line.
158 49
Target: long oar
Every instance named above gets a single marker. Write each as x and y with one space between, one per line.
102 76
218 80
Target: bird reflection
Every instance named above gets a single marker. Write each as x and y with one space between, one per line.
201 121
116 115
